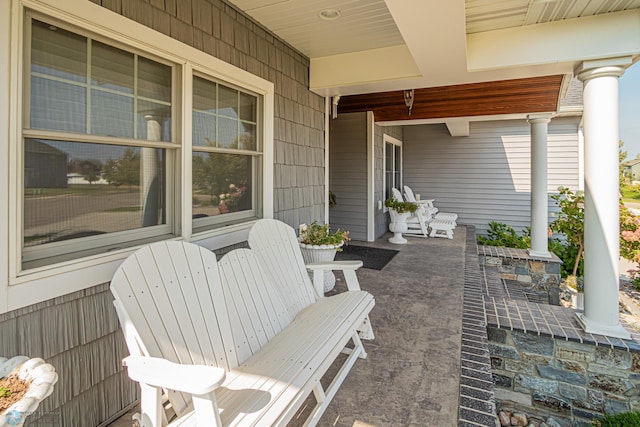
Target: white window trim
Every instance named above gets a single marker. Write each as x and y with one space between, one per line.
391 140
21 289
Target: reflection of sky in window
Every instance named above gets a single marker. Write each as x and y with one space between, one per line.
57 106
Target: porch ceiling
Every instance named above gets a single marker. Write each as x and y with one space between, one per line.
388 45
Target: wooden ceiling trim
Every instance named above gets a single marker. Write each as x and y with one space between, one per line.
519 96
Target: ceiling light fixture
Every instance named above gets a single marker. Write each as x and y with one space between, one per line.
329 14
409 95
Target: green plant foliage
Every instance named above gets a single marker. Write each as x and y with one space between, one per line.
626 419
501 234
317 234
400 207
5 392
333 200
570 223
567 253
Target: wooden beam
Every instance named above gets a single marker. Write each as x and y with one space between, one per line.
520 96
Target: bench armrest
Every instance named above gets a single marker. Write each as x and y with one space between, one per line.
348 268
335 265
156 372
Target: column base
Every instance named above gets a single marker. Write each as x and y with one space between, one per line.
589 326
540 254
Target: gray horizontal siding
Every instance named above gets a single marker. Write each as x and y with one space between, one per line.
348 173
487 176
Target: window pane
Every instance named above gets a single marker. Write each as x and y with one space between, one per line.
57 106
111 68
221 183
111 114
203 116
247 140
248 107
204 95
204 129
154 80
154 122
227 133
227 102
58 53
74 190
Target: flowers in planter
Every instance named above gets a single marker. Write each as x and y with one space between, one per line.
316 234
401 207
236 199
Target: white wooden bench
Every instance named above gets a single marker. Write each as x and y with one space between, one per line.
233 343
441 228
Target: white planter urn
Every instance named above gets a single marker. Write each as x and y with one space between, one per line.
577 299
321 253
397 226
42 376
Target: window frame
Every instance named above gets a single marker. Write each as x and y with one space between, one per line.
20 288
395 143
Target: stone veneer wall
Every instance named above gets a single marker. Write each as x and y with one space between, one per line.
79 333
539 277
572 382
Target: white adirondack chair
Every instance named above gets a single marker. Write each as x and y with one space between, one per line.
418 223
429 206
230 346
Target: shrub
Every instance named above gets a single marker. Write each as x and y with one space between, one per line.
567 253
501 234
626 419
570 223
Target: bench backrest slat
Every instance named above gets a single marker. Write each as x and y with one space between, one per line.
275 245
258 314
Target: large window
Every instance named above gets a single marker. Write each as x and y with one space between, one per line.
103 147
226 153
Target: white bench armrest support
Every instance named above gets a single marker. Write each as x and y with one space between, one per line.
348 268
192 379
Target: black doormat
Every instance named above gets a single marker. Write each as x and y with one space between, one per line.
373 258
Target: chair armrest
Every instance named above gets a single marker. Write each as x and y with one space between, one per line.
348 269
156 372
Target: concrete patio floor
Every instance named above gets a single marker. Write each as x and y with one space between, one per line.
411 376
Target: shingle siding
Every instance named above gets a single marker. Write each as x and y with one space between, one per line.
487 175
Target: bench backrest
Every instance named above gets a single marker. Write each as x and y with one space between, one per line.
276 247
175 301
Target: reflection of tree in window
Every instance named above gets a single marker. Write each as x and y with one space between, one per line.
89 169
123 171
225 178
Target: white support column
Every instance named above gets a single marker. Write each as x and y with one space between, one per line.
601 210
539 191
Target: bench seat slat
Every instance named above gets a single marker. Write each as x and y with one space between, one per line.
282 375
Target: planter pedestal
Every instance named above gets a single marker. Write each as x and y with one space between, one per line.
42 376
577 300
397 226
321 253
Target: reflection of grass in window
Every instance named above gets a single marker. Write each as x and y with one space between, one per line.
77 189
125 209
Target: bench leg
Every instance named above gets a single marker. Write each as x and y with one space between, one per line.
365 331
324 396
